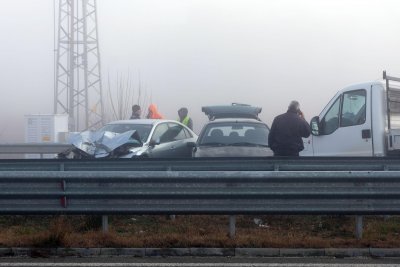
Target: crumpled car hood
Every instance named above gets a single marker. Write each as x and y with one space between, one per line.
104 144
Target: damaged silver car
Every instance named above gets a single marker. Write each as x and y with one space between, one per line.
133 139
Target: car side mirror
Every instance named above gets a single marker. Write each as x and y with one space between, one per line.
153 143
191 144
314 125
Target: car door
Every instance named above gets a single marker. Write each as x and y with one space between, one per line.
344 129
180 137
162 146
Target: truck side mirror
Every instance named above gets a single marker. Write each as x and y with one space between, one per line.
314 125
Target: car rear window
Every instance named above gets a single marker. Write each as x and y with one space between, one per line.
231 133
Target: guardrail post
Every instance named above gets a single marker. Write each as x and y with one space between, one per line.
359 226
104 223
386 168
232 226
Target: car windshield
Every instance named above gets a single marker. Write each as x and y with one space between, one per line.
142 129
235 134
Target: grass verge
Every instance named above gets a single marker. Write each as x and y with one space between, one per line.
198 231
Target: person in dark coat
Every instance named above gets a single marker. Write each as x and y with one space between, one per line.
136 112
287 130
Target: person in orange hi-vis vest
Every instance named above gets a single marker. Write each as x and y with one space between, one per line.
153 113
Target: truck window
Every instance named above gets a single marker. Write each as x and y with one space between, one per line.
330 122
353 108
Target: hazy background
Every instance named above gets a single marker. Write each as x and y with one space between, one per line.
205 52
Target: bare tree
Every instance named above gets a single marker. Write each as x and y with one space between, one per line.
121 95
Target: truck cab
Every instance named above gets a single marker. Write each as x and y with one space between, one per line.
360 120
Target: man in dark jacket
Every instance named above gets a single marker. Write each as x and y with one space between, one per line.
136 112
287 130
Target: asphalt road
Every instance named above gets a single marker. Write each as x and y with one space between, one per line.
198 262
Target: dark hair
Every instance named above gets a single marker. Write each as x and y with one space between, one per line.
183 111
135 108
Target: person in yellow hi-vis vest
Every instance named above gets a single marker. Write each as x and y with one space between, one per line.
184 118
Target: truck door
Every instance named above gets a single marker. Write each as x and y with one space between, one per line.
345 130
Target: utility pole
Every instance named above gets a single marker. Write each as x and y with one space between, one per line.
78 88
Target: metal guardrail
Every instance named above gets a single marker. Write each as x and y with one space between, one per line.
195 164
206 164
33 148
271 185
201 192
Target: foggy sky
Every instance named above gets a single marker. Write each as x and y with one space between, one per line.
206 52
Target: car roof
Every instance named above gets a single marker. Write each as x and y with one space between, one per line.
141 121
232 111
149 122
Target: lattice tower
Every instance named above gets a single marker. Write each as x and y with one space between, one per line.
78 88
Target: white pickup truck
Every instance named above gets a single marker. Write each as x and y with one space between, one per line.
361 120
